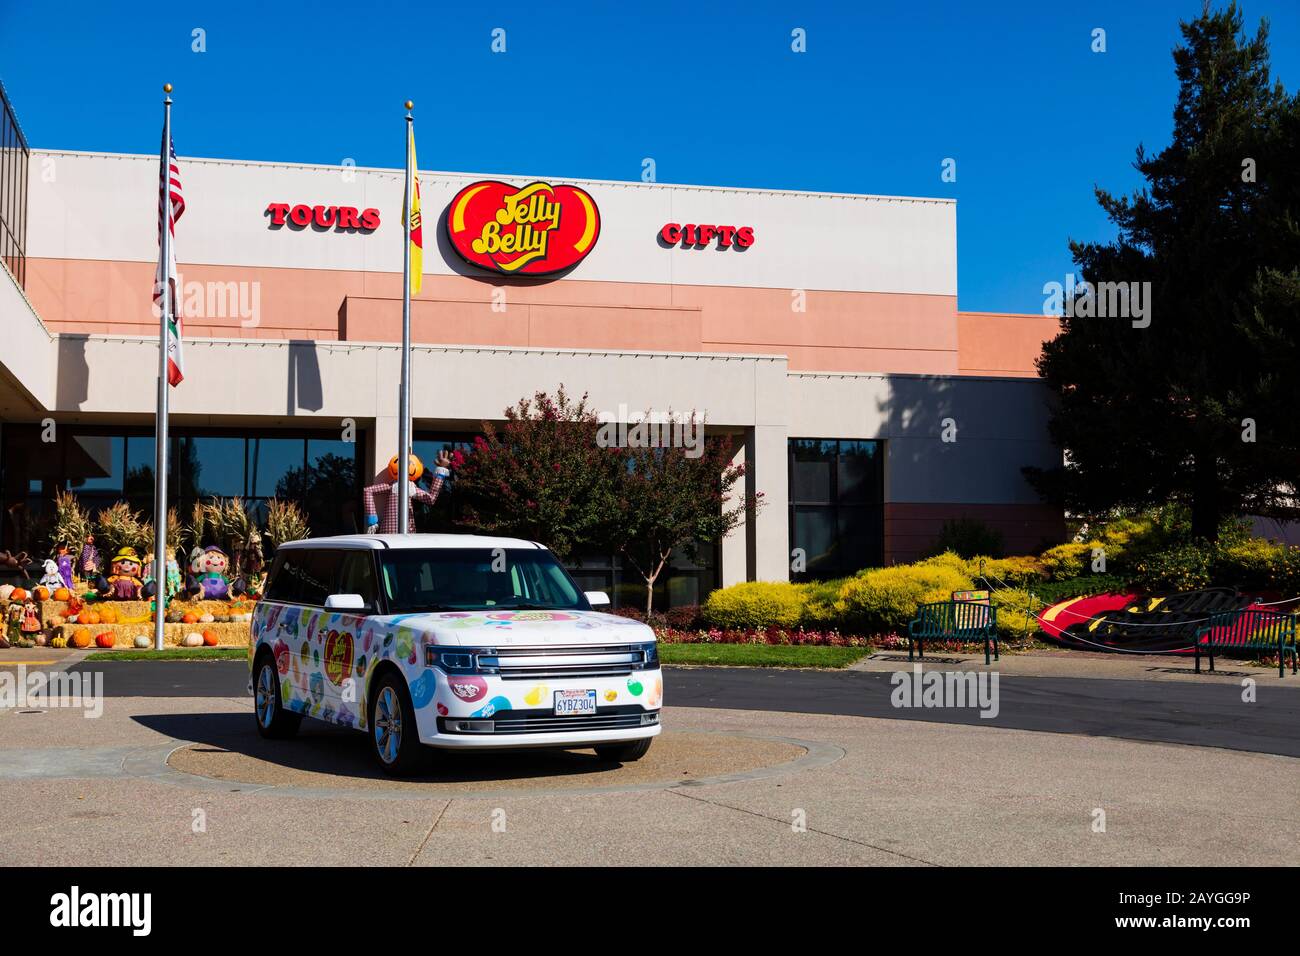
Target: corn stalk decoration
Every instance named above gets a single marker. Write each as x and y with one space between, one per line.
118 526
285 521
71 522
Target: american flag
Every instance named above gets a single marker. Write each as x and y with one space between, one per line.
171 204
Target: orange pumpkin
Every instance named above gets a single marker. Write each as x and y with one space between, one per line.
104 640
18 594
42 593
210 638
191 617
62 594
88 617
81 637
107 614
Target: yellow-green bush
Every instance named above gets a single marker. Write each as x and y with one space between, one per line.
1018 570
1067 560
756 604
885 599
819 611
950 560
1016 613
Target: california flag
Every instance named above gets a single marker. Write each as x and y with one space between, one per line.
170 206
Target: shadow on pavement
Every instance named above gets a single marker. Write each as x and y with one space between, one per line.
336 751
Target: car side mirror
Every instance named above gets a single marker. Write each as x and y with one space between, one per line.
345 602
596 598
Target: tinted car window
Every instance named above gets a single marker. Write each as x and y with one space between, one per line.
318 575
357 576
285 576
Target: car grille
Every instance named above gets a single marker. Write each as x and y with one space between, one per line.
559 663
542 722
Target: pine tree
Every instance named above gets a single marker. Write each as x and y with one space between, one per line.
1200 406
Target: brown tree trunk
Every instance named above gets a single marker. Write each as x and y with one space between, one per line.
1207 507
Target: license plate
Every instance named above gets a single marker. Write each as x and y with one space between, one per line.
573 703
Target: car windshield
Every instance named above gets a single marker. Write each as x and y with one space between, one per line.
476 579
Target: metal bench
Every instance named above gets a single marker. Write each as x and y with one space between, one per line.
954 621
1248 629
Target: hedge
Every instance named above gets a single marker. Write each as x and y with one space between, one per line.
1144 554
755 605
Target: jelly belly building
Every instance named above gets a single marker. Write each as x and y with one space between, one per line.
821 331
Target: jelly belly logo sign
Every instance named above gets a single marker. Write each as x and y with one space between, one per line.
535 230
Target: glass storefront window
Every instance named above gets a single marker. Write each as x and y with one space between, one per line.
210 466
94 463
269 461
836 505
103 465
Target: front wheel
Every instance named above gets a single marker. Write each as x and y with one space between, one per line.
625 753
274 722
394 738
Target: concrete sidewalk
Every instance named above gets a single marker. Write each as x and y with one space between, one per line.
1052 662
883 792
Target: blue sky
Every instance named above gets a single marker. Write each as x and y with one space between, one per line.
713 92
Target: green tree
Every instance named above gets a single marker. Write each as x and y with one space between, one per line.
1166 412
679 495
541 475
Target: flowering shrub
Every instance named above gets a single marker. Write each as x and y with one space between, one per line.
885 599
1186 567
756 604
770 635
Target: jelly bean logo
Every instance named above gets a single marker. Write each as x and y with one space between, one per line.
525 617
537 230
338 656
634 687
492 706
611 695
534 696
281 651
468 689
423 689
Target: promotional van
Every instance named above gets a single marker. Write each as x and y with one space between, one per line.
449 641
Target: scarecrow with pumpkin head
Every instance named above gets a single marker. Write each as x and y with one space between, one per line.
414 471
124 583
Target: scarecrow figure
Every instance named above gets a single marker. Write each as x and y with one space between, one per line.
63 560
413 473
31 619
89 563
171 580
124 583
208 579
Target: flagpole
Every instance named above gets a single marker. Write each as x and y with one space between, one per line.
160 437
404 404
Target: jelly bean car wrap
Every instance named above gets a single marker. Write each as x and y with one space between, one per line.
476 679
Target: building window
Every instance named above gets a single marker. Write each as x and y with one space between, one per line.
14 158
105 465
836 505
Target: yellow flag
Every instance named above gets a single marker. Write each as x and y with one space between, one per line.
412 213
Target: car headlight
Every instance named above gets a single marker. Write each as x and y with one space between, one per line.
651 651
461 660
